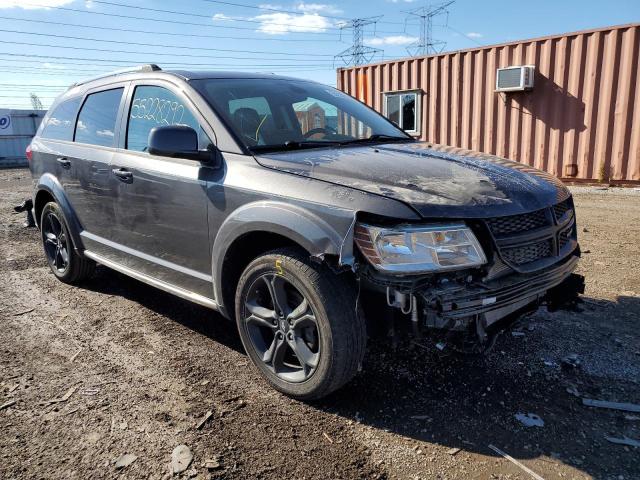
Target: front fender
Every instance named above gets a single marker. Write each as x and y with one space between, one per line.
50 184
320 229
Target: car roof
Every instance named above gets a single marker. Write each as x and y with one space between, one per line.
152 71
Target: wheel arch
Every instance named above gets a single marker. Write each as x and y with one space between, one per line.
263 226
49 189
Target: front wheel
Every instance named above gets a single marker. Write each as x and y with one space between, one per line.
299 325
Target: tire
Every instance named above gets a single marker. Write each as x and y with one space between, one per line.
326 331
65 263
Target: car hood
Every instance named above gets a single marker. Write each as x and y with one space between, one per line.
435 180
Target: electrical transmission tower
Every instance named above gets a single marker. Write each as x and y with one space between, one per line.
358 53
427 44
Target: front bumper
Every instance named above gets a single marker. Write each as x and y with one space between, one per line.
455 305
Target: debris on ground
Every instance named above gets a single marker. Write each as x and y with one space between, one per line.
453 451
63 398
75 355
625 407
125 460
204 420
516 333
181 458
631 442
213 463
571 361
573 390
516 462
23 312
326 435
7 404
529 419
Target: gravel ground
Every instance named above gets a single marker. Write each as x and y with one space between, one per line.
141 368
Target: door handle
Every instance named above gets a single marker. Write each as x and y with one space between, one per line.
64 162
122 174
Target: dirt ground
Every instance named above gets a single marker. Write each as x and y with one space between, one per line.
141 369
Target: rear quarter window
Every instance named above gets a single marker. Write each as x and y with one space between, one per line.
97 119
60 123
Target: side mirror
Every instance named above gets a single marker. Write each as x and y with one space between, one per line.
179 141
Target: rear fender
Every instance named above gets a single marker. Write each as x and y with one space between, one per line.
50 184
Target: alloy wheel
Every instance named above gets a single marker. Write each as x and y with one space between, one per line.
55 242
282 328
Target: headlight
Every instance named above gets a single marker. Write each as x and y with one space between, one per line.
419 249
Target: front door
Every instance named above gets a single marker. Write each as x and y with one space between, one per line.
160 206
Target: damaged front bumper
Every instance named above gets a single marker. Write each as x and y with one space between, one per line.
464 303
454 306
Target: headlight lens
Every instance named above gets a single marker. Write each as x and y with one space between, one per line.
419 249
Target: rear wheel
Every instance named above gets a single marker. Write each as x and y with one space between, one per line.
63 260
298 323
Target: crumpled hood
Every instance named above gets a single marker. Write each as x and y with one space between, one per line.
436 181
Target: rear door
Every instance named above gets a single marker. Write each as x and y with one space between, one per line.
95 139
160 207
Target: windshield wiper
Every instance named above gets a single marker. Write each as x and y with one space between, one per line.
293 145
378 137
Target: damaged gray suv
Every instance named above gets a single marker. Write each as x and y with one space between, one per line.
299 213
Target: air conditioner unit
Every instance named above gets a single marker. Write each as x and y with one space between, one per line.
515 79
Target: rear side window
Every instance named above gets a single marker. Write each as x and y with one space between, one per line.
97 119
61 121
155 107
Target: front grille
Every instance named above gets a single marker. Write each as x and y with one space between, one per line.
521 255
562 208
530 241
502 226
565 237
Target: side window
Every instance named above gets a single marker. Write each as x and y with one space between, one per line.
155 107
61 121
402 109
97 119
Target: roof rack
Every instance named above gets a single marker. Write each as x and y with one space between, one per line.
150 67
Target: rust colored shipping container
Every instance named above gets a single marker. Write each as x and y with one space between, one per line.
581 120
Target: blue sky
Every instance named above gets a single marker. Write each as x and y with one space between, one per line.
48 44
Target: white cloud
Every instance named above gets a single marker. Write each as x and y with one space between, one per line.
220 16
281 23
53 66
40 4
105 133
322 8
474 35
391 40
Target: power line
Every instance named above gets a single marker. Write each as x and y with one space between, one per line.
321 30
270 8
464 35
162 54
358 53
426 44
157 32
172 21
165 45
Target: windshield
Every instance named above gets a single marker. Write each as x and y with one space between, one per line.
277 114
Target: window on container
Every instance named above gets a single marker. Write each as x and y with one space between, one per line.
97 119
154 106
402 109
60 123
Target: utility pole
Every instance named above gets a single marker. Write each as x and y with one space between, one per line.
358 53
427 44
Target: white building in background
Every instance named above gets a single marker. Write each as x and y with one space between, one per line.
17 128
